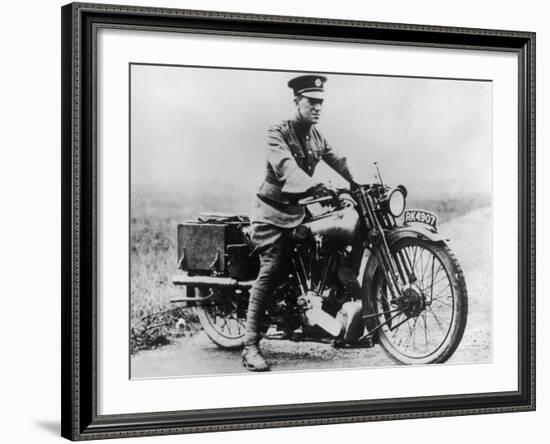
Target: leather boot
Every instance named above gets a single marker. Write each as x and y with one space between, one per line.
252 357
253 360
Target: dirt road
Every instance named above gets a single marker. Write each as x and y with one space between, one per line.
471 242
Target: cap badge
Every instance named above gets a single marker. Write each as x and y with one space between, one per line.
318 82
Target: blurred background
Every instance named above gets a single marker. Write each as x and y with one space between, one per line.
203 128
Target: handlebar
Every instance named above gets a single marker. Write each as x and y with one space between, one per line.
310 200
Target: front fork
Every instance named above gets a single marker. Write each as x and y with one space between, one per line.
391 271
399 271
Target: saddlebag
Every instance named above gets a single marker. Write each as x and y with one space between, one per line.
217 243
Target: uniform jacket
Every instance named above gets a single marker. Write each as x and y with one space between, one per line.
292 155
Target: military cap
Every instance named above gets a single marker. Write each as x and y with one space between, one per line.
309 86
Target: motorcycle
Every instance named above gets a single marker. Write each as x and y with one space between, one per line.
413 303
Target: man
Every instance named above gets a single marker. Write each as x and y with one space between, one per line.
294 148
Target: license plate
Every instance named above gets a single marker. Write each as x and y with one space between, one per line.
420 216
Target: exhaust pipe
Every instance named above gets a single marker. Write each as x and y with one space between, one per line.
348 323
317 316
210 281
313 314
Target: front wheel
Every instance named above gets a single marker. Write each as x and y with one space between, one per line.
426 323
223 317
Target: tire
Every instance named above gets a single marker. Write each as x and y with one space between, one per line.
224 322
426 324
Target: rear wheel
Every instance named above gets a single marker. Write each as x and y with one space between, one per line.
223 317
426 323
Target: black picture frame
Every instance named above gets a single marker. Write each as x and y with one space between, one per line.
79 211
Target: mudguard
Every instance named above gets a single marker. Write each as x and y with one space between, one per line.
372 262
415 232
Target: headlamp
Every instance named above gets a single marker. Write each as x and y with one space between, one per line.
396 200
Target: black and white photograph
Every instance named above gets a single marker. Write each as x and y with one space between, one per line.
279 221
297 221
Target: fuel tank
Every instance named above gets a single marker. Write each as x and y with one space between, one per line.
341 224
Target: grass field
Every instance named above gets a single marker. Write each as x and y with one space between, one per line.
155 214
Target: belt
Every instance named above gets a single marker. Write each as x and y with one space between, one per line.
271 194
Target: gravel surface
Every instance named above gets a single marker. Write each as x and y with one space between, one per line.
470 241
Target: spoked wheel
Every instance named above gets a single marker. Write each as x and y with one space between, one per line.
426 323
223 317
